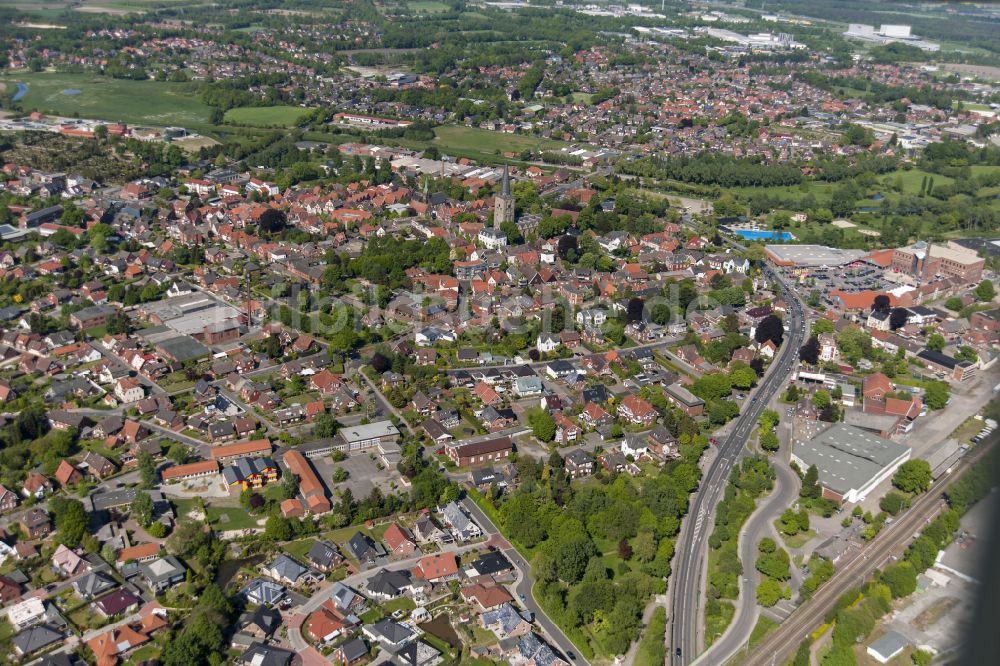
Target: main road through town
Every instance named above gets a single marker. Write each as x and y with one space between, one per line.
692 545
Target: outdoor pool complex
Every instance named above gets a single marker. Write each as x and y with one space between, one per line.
752 234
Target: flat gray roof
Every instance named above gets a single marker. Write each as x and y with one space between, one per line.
847 457
370 431
889 645
814 255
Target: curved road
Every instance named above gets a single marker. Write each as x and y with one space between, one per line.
757 527
686 583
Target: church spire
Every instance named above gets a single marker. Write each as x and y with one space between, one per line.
505 184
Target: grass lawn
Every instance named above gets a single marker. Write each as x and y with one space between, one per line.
474 140
298 549
403 603
913 178
715 625
139 102
231 518
427 6
761 629
266 116
799 540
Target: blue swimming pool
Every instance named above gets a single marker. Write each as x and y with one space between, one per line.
750 234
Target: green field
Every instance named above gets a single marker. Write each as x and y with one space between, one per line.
474 140
427 6
137 102
266 116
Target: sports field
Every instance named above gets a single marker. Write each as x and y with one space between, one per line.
266 116
136 102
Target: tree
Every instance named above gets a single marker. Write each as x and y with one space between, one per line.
898 317
277 529
770 328
644 547
913 476
272 221
821 399
985 291
178 453
921 658
810 484
769 592
881 303
788 523
743 378
803 654
572 555
937 394
892 502
936 342
543 426
142 508
634 308
147 469
809 352
775 564
339 475
901 578
71 520
769 441
324 425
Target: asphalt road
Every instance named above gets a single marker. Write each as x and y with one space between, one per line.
693 541
779 646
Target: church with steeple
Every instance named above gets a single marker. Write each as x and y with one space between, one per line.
503 203
503 211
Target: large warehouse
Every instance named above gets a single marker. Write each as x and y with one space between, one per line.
811 256
851 461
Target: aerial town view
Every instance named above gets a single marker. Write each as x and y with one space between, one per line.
475 332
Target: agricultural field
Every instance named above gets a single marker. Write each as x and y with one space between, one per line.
153 103
266 116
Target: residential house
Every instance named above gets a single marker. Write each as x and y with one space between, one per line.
637 411
399 541
324 556
437 567
579 463
461 524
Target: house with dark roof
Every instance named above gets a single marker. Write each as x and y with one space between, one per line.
387 584
119 602
364 549
260 654
36 638
263 592
389 634
324 556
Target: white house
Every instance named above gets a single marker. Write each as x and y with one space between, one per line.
591 318
492 238
736 265
547 343
828 352
128 389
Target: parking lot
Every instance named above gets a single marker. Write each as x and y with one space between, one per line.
363 473
853 279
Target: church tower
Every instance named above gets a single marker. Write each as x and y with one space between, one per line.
503 203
